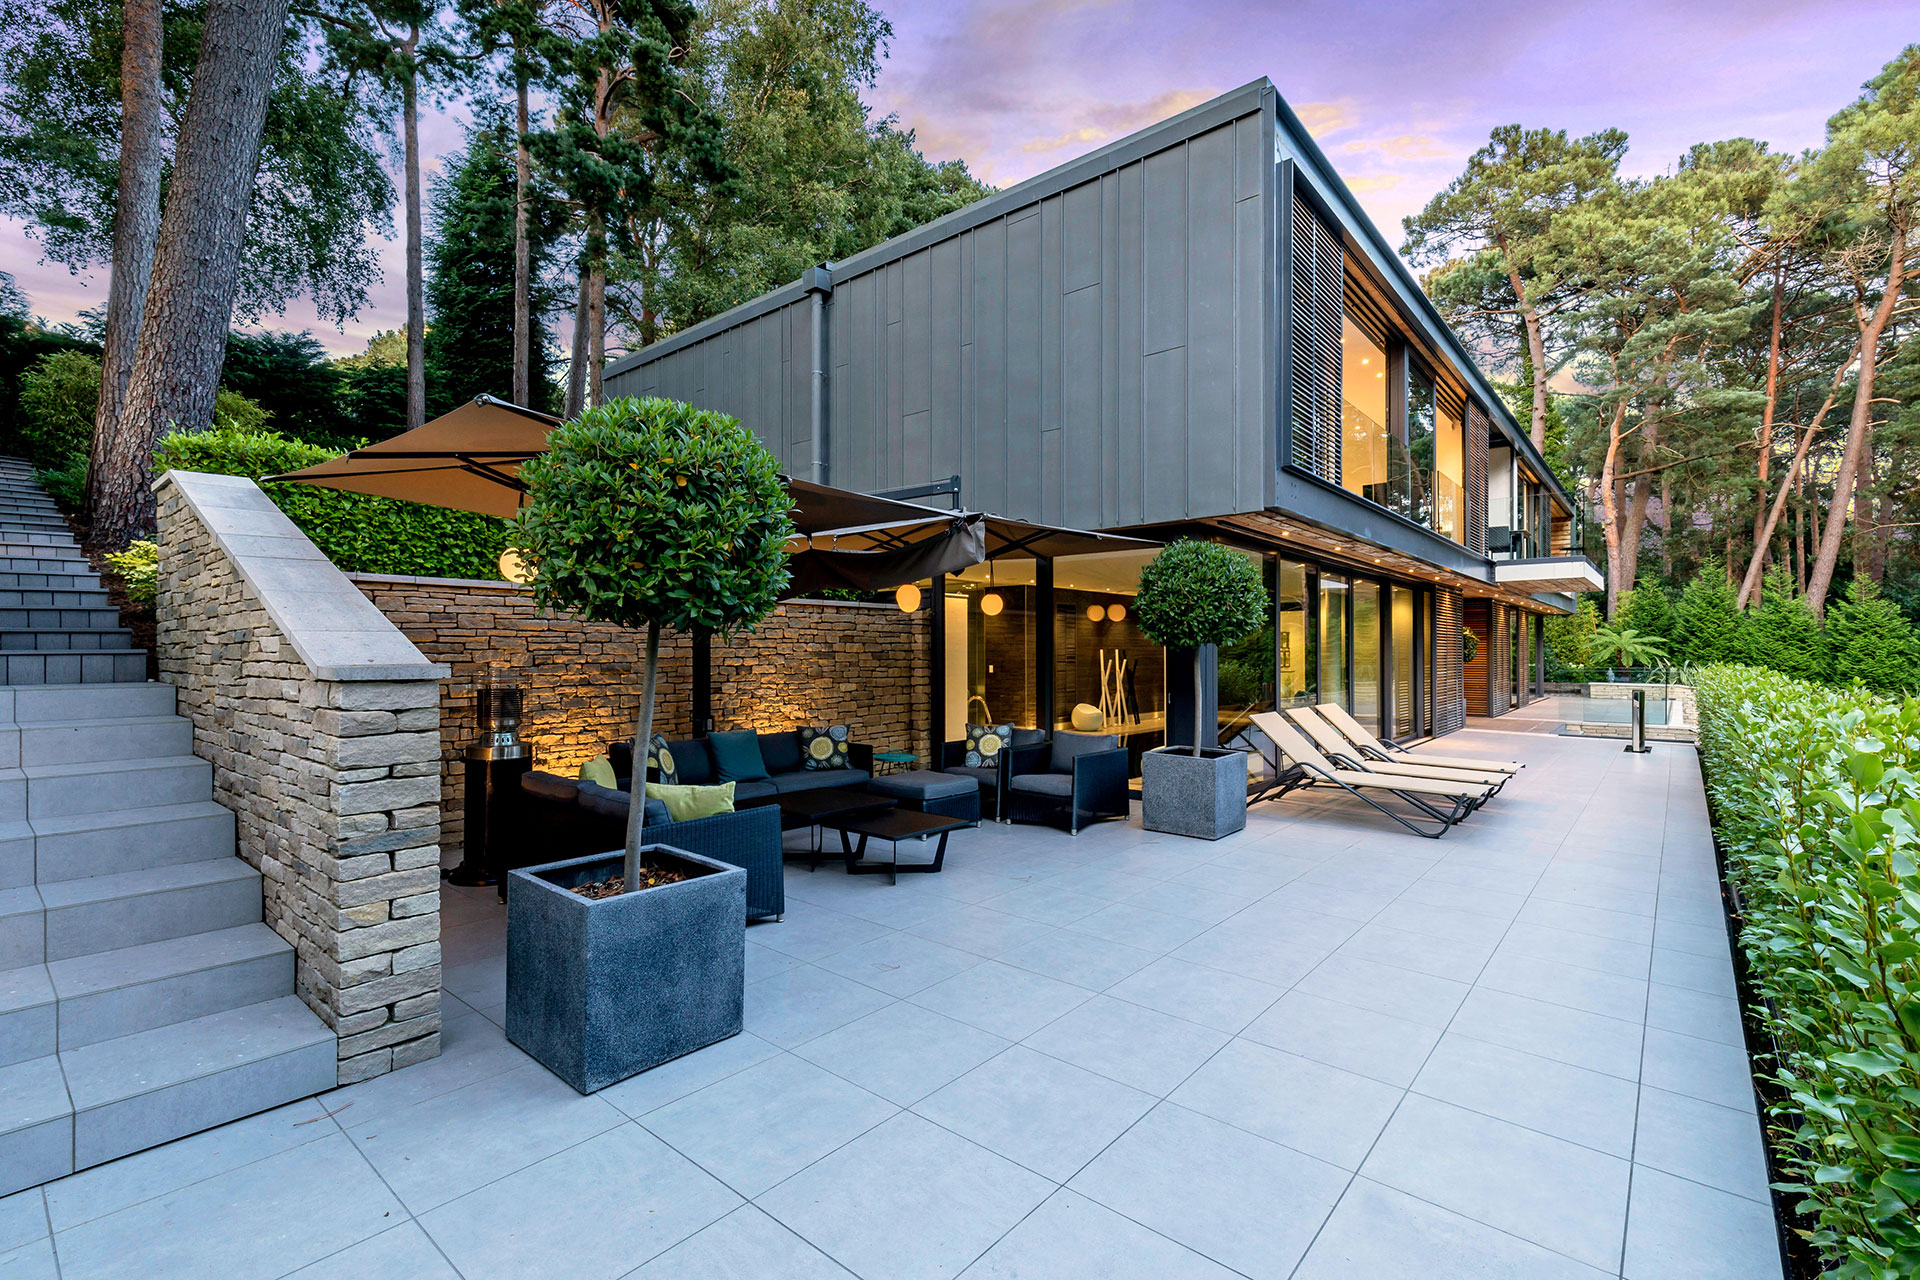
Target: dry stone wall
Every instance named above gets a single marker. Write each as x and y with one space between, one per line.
810 662
322 724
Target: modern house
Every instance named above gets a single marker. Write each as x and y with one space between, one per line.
1192 331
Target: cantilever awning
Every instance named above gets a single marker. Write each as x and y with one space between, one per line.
469 459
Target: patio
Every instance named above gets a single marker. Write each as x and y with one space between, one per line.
1321 1048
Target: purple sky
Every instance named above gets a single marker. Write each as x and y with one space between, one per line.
1398 94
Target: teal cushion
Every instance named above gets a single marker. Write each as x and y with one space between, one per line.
736 756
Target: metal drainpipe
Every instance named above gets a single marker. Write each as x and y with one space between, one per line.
819 285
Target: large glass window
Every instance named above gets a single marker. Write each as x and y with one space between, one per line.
1245 680
1333 639
989 658
1418 485
1365 438
1403 667
1101 658
1296 647
1449 477
1366 654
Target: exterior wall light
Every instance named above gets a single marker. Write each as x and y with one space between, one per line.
1116 613
1095 613
907 597
991 604
514 569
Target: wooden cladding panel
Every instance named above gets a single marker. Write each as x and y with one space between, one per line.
1449 679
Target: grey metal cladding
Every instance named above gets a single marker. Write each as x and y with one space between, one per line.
758 371
1319 286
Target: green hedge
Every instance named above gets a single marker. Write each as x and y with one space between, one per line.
1816 807
359 533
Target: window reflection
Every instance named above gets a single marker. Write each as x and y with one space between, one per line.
1245 681
1449 477
1296 654
1414 491
1333 639
1366 654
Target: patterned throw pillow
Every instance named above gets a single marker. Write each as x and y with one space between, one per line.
984 743
824 746
660 761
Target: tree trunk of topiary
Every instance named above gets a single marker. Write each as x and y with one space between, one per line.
1199 711
642 735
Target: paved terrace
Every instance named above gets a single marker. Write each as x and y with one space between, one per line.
1319 1049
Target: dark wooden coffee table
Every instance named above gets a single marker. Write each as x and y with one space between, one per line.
893 826
827 807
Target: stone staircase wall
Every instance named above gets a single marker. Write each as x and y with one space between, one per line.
322 725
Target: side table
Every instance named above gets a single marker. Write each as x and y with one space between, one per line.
895 761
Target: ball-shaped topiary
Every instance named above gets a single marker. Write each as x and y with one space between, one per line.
1200 593
652 513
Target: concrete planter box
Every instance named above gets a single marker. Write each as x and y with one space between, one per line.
602 989
1188 794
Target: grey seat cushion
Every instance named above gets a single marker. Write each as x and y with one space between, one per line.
1043 784
609 803
979 773
550 786
817 779
758 789
1068 745
921 784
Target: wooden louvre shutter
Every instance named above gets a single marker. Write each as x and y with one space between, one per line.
1319 276
1449 675
1478 430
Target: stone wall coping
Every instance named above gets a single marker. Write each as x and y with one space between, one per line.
498 584
337 633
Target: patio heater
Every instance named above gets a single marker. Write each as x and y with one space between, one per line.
494 762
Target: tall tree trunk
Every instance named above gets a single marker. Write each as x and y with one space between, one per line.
136 230
1536 351
522 251
1866 539
1756 567
577 364
196 270
1610 507
1762 530
1858 428
596 330
416 270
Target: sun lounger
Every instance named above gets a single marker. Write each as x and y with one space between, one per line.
1437 805
1338 749
1380 750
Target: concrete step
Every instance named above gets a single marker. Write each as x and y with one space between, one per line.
32 522
64 640
97 618
47 563
134 989
16 849
138 1091
49 582
106 844
28 1022
107 666
23 927
103 741
57 704
64 790
105 913
93 598
36 1124
36 544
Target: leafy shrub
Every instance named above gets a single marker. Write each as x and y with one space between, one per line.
66 484
138 567
1706 623
1781 633
358 532
58 396
1648 609
1869 639
1816 796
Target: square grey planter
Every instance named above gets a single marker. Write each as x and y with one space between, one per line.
1185 794
602 989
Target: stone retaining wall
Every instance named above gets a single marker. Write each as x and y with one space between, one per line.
322 724
810 662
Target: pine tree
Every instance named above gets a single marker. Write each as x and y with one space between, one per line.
1782 633
1706 625
470 275
1868 639
1649 610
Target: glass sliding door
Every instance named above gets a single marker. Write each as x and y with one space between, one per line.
988 661
1245 678
1333 639
1404 725
1367 704
1101 658
1296 648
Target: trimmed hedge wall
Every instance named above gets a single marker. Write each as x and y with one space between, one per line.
1817 808
358 532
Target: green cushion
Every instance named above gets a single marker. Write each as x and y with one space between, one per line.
599 771
686 802
736 756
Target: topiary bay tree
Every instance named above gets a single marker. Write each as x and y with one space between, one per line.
654 514
1194 594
